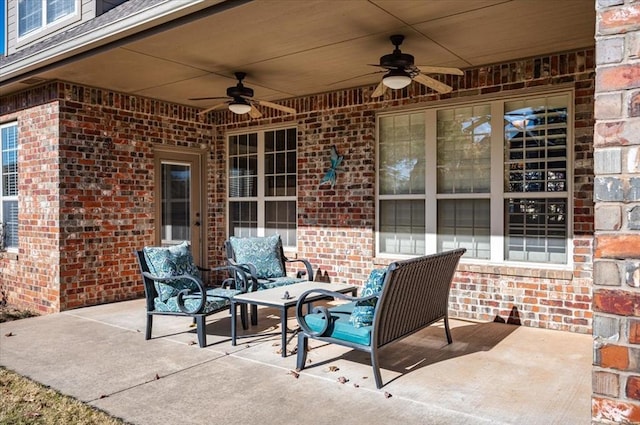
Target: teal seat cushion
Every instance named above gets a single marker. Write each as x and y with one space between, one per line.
340 326
168 261
363 311
277 282
191 303
264 253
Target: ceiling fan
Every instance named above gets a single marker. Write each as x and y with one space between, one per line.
401 70
240 100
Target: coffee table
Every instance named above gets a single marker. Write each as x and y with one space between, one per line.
274 298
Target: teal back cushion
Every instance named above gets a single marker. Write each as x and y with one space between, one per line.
262 252
363 311
167 261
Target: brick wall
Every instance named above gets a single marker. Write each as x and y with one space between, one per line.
106 189
336 226
86 192
33 281
616 300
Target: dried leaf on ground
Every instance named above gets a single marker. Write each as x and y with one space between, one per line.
387 395
192 343
157 376
9 334
356 385
333 368
294 374
343 380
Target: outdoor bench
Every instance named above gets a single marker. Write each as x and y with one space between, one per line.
399 301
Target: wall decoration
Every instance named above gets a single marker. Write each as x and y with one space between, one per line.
332 173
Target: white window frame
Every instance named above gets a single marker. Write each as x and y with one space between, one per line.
260 199
496 195
46 28
3 198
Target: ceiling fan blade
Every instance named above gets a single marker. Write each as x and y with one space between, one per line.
214 108
254 112
208 98
431 83
439 70
380 90
276 106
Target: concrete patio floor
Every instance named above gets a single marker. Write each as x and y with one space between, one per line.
492 373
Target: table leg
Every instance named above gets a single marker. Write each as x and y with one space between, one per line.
233 322
284 331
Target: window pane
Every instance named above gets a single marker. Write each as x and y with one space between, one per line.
29 16
402 227
243 166
281 219
280 166
57 9
402 154
175 187
464 149
536 144
536 230
465 223
10 224
243 219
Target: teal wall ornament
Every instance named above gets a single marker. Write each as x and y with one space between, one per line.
332 173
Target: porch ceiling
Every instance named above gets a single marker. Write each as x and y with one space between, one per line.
294 48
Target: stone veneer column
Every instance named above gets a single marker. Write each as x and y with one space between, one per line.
616 301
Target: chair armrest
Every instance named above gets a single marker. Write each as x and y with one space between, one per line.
322 309
201 292
307 265
249 278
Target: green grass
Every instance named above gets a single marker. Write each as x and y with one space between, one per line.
27 402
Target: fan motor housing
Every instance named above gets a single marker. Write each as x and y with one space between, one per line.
397 60
239 91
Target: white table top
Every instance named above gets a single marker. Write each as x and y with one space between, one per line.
273 296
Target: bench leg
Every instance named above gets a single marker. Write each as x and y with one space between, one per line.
447 329
303 344
202 334
149 325
376 368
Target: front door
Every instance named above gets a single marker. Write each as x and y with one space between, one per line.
179 193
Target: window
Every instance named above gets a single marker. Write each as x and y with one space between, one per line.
9 182
491 177
36 14
263 184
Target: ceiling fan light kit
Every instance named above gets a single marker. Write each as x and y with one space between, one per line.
239 107
396 79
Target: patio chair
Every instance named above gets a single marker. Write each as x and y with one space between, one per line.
396 302
263 260
173 287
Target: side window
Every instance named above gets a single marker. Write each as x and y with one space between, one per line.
9 187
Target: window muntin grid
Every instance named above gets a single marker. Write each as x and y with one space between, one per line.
9 185
547 168
37 14
262 188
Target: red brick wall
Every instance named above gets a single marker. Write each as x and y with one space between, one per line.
86 192
30 279
616 300
106 196
336 226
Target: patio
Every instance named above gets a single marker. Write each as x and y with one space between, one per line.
492 373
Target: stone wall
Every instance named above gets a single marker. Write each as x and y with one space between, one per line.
616 300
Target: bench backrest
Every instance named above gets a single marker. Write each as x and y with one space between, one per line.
415 294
